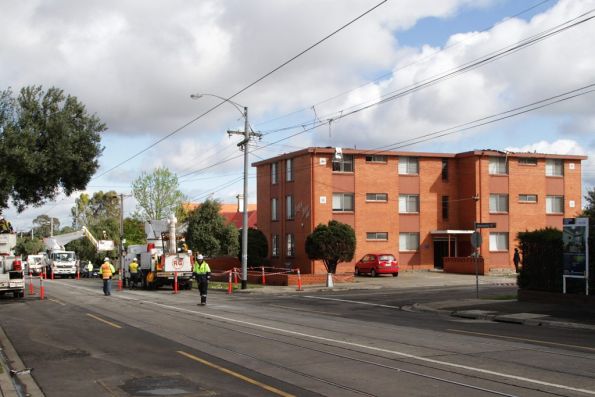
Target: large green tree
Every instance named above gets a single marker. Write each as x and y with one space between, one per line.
134 232
258 247
157 194
29 246
44 226
333 243
48 143
208 232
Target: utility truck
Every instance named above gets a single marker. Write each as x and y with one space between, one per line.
160 260
65 263
36 263
12 279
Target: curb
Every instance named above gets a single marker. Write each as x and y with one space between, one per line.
13 361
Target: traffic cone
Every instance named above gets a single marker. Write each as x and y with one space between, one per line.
229 286
235 276
52 273
175 282
41 290
299 288
120 280
31 288
78 275
264 281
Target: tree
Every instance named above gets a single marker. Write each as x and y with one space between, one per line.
48 143
333 243
134 232
28 246
157 194
43 225
589 212
209 233
258 247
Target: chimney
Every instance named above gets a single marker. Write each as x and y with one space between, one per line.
240 198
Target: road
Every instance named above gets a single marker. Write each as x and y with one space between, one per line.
348 343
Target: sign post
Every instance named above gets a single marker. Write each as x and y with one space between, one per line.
575 250
476 241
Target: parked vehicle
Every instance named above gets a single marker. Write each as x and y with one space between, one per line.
12 278
375 264
35 264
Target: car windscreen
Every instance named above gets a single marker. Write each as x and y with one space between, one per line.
64 257
386 258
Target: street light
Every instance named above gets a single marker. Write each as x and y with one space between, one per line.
244 145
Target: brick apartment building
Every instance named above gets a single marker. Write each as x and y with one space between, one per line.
421 207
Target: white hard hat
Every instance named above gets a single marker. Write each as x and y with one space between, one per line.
134 260
199 257
106 259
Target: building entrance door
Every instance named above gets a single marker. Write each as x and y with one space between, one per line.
441 251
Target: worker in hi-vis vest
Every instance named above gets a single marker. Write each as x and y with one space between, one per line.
133 268
202 272
107 271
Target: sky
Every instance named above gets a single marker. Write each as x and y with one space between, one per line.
413 75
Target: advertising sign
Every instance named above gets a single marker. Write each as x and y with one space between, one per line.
574 239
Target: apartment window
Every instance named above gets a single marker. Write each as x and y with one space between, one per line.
554 204
274 173
408 166
343 201
497 166
444 207
408 203
527 161
527 198
343 164
408 241
382 236
498 241
554 167
290 244
444 169
376 158
289 170
383 197
289 207
275 245
274 209
498 202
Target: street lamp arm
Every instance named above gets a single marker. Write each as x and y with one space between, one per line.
235 104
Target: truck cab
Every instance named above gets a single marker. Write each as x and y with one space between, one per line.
12 279
63 263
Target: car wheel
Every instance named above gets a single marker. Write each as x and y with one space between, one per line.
395 274
357 273
373 273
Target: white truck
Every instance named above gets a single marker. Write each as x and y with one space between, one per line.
160 264
35 264
12 279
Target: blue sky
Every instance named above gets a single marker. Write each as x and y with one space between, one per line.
138 79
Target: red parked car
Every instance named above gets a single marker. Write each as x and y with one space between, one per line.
376 264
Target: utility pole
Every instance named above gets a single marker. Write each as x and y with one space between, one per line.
244 145
121 245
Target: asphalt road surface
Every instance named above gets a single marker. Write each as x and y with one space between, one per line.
348 343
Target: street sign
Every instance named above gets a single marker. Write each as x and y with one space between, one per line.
489 225
476 239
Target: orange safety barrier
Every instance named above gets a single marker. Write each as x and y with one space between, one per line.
229 286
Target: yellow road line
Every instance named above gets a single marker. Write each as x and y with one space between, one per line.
523 339
104 321
57 301
239 376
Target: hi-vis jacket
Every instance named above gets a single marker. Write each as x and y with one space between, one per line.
201 269
106 270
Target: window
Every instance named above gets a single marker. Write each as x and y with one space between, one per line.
376 158
554 204
274 210
498 202
274 173
408 166
554 167
408 241
275 245
408 203
289 170
527 198
377 236
344 164
527 161
377 197
343 201
444 169
498 166
444 207
290 244
498 241
289 207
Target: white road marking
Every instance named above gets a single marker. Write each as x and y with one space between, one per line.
351 301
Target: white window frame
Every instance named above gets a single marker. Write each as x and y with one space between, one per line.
290 245
408 166
274 173
498 241
554 167
288 170
377 236
339 202
377 197
275 245
527 198
344 164
274 209
408 242
498 166
553 203
409 204
289 209
498 203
